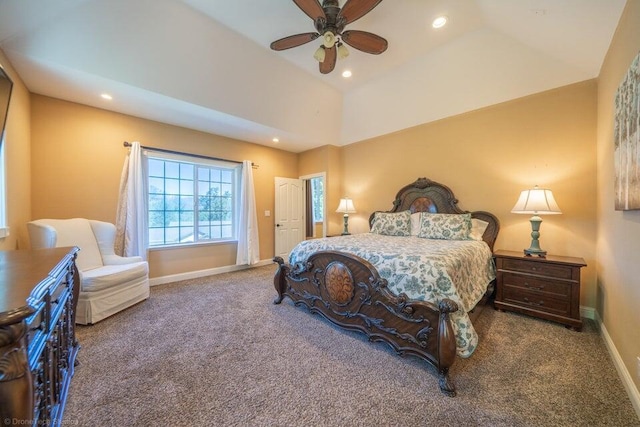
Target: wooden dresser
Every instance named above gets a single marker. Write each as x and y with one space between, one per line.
38 347
547 288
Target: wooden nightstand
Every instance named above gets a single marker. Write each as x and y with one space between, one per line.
547 288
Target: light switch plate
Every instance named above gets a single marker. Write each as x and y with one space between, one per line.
267 213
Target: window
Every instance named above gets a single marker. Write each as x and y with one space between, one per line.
317 196
191 200
4 229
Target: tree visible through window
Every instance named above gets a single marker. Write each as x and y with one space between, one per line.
190 202
317 196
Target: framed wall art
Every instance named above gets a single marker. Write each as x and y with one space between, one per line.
626 140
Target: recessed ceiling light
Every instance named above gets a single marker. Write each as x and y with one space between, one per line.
346 74
439 22
106 96
276 140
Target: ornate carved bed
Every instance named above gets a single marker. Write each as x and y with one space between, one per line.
349 291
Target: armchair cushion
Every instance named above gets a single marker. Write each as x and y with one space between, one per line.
101 278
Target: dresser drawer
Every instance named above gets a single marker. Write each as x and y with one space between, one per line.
536 300
543 269
537 285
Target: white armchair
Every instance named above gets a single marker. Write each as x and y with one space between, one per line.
108 283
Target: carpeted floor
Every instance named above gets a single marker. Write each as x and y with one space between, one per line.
215 351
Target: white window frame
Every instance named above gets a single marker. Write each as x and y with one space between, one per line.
4 227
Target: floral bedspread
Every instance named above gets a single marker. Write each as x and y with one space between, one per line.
423 269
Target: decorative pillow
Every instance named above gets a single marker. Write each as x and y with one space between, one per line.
478 227
392 223
445 226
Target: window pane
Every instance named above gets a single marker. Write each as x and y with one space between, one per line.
172 170
171 234
227 176
203 174
156 185
172 186
186 171
204 233
186 203
317 197
156 168
186 188
203 187
156 202
156 236
186 218
171 203
186 235
156 218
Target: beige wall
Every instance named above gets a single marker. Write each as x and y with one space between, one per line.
327 159
487 157
77 159
618 247
17 163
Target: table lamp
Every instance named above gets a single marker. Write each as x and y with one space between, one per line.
537 201
346 207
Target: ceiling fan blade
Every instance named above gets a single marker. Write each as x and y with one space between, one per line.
356 9
311 7
329 63
293 41
364 41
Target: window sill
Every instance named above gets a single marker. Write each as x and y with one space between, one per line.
192 245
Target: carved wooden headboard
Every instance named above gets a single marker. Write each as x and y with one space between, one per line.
425 195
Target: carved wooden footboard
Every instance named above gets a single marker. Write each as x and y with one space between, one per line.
348 291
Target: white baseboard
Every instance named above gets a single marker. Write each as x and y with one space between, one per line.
588 312
623 372
203 273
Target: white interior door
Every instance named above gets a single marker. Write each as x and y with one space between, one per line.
289 215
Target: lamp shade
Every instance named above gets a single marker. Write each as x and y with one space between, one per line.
320 54
538 201
346 206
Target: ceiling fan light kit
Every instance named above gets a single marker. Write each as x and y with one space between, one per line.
320 54
329 20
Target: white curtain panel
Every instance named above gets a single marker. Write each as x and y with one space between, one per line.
132 238
248 241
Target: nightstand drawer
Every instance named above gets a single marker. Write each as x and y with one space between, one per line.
537 285
539 268
536 300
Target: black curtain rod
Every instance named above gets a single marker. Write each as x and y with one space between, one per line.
199 156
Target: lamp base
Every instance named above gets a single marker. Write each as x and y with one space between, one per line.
534 248
534 252
345 231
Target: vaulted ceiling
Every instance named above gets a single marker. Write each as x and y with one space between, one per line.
206 64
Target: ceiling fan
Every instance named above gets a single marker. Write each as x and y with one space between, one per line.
330 20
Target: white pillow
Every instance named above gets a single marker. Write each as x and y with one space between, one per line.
415 223
478 227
